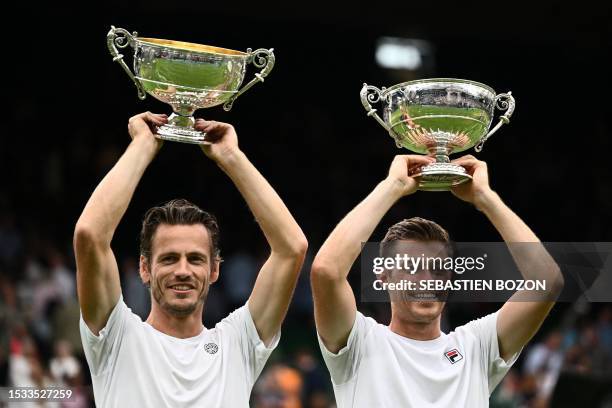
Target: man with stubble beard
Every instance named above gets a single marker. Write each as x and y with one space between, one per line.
411 362
171 359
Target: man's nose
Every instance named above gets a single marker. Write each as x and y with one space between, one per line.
425 274
182 269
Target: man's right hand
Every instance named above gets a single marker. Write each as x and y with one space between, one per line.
402 168
144 126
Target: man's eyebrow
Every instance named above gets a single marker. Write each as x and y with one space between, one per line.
191 253
198 253
174 253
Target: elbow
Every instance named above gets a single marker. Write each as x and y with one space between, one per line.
554 283
295 248
300 247
85 237
557 282
323 270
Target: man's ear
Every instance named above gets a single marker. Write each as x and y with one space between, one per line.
145 274
214 272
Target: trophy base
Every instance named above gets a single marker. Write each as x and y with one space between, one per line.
181 134
441 177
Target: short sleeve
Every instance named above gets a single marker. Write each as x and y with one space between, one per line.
343 365
101 350
485 330
254 352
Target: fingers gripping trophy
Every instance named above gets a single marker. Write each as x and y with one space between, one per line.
438 117
187 76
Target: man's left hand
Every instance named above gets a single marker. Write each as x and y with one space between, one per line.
478 189
221 139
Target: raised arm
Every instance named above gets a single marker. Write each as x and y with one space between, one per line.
518 319
276 280
97 273
334 302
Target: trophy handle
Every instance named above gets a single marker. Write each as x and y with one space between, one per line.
371 94
261 58
120 38
505 102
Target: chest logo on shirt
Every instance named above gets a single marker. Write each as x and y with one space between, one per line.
211 348
453 356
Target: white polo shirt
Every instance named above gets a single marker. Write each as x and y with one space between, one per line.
134 365
379 368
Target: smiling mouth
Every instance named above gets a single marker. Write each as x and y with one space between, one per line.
182 288
424 296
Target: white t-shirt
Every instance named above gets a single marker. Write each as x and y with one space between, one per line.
134 365
379 368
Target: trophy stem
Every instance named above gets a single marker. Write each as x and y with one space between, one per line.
181 120
441 147
441 175
441 154
180 128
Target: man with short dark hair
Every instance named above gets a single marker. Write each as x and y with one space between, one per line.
172 360
411 363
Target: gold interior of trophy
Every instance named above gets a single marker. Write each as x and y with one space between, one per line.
181 45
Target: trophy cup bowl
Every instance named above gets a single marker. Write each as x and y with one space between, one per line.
438 117
187 76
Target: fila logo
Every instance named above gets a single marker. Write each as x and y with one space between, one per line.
453 356
211 348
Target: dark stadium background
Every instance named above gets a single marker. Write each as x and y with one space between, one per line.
67 108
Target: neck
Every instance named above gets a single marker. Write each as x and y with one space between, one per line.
181 327
415 330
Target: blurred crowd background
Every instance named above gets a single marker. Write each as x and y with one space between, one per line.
306 131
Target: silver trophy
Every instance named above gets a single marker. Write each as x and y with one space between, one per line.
438 117
187 76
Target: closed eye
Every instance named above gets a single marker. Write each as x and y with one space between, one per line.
197 260
169 259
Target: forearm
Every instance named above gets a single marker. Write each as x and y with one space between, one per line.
508 224
532 259
112 196
276 222
342 247
522 315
